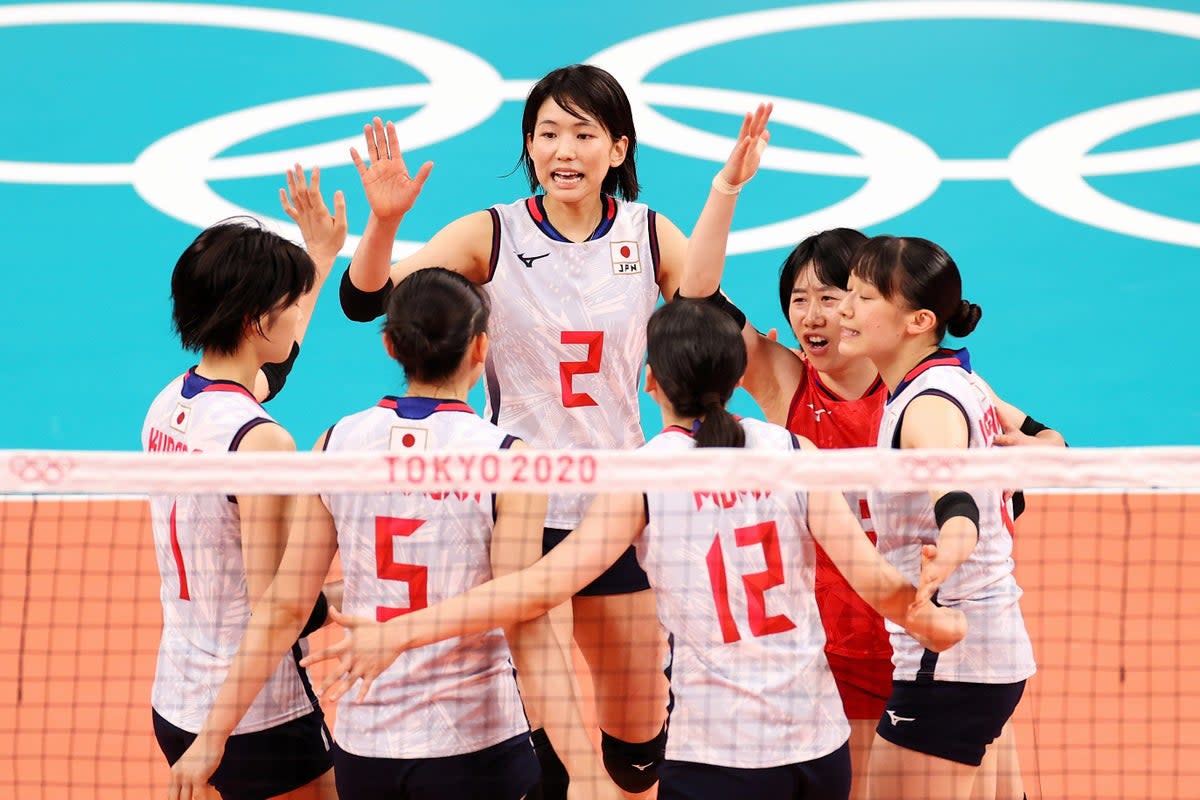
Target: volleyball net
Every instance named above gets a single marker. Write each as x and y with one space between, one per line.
1111 588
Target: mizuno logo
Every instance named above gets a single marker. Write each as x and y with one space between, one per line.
642 767
528 260
817 412
897 719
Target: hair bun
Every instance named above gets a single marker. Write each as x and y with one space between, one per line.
965 319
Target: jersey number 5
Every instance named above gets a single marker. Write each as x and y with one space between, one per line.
567 370
755 584
417 577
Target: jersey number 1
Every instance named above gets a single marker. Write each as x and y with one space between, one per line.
755 584
567 370
417 577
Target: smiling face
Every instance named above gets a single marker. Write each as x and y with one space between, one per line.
572 153
872 326
813 315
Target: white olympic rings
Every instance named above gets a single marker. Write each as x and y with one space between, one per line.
463 91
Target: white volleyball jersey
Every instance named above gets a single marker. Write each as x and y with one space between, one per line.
733 575
403 551
568 331
997 647
198 544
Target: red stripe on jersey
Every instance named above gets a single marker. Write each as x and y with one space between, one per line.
178 553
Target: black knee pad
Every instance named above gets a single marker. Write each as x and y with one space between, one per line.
553 785
633 765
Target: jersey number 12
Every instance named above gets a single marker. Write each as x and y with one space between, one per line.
756 584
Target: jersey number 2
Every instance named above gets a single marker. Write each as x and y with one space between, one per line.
755 584
417 577
567 370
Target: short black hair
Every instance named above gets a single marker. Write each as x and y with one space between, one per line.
585 89
432 316
829 252
234 273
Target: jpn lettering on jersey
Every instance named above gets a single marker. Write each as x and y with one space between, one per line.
403 438
625 258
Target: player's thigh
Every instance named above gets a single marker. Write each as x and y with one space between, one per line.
623 644
896 772
323 788
862 735
1009 783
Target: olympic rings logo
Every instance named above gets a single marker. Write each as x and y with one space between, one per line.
47 470
1049 167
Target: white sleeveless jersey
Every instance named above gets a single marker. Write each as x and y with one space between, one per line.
733 575
403 551
198 544
568 331
997 647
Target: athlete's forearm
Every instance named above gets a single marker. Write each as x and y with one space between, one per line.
705 259
499 603
271 632
370 267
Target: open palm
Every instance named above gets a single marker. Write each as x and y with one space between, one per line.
390 190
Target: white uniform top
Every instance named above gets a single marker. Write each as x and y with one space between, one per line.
403 551
568 330
733 576
198 543
997 647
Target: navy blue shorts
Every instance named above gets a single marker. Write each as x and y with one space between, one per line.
824 778
625 576
950 720
505 771
261 764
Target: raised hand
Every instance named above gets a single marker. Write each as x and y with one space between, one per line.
752 140
390 190
323 234
363 654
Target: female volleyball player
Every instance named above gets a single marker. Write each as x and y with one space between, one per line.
241 296
756 712
835 399
573 274
445 720
903 296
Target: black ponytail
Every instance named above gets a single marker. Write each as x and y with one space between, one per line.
698 356
432 317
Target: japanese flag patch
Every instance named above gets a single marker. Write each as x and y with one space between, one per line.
405 438
180 417
625 258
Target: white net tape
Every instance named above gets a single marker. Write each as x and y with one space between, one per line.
80 472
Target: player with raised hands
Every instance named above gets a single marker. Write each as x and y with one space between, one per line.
242 296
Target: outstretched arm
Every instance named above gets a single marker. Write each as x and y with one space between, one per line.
772 371
464 245
838 532
610 526
324 235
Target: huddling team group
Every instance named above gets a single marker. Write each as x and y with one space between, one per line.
814 645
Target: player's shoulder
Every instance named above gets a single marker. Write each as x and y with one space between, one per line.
766 435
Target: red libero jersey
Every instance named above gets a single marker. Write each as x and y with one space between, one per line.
852 627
